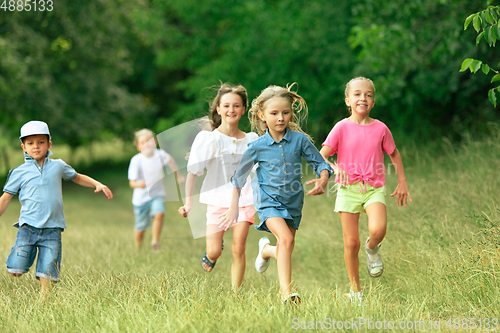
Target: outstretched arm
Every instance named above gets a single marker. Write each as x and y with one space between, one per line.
326 152
402 192
173 166
86 181
342 175
4 201
190 182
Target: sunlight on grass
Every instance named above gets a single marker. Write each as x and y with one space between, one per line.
442 256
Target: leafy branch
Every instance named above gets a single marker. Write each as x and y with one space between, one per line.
487 25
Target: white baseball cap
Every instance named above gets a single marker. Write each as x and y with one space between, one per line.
34 127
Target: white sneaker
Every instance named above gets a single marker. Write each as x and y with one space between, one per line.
375 265
355 297
261 265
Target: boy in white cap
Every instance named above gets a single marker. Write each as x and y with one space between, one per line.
38 183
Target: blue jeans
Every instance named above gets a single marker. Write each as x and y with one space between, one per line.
30 239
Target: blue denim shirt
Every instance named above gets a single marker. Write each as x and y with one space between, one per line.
278 189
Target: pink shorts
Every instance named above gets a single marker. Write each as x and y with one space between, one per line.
246 214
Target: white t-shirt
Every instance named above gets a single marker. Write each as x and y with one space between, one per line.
149 169
220 155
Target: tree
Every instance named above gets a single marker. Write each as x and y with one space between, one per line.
66 67
487 25
411 50
255 43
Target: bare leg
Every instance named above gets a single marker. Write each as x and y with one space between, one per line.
214 245
350 232
240 232
157 225
269 251
377 223
45 291
138 235
285 236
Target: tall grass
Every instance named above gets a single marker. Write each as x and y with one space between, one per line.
441 254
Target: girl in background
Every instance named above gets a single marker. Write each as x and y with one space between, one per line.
278 191
220 151
360 143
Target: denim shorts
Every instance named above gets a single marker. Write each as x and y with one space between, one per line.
30 239
145 212
356 197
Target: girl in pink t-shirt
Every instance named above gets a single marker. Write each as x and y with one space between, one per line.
360 143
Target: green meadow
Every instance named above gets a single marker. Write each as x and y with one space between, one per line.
441 255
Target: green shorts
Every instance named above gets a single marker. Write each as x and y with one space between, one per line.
351 199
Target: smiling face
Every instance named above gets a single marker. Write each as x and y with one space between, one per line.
360 98
37 146
276 113
231 108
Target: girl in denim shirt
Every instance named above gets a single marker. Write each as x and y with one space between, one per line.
278 190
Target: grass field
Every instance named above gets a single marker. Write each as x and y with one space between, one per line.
441 254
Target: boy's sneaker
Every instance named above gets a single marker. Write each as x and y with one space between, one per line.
261 264
374 260
355 297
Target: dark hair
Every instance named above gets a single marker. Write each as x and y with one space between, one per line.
225 88
24 138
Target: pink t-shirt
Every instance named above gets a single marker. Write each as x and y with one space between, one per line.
360 150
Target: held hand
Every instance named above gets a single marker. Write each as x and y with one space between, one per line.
342 175
141 183
184 210
228 218
105 189
319 186
402 192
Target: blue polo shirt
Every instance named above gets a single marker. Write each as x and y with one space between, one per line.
40 191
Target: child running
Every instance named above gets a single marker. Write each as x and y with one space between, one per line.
38 183
360 143
278 192
220 151
149 196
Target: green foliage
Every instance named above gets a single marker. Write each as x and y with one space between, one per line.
411 50
65 67
98 67
487 25
256 43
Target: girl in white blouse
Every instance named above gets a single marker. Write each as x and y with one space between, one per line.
220 151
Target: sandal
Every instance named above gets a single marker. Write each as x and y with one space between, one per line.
205 260
293 298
